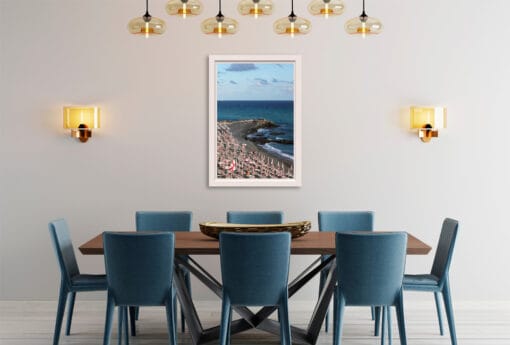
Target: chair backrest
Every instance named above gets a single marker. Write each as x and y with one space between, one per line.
370 266
163 221
341 221
255 267
255 217
444 251
139 267
61 239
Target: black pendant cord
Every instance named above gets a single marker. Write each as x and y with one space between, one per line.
219 16
363 14
147 17
292 16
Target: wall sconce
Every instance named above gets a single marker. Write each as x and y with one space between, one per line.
81 120
428 121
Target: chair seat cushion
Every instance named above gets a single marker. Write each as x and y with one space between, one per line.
92 281
420 279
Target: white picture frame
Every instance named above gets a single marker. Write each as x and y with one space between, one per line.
254 131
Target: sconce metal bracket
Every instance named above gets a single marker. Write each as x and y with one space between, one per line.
427 132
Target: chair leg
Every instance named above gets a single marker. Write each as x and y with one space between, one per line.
449 311
120 323
110 308
388 321
283 311
383 326
225 318
170 319
401 320
377 323
372 310
70 308
175 312
439 314
62 298
132 320
229 326
137 313
126 324
338 325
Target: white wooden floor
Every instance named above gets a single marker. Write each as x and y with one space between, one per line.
32 322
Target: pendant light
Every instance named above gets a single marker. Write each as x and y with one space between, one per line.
292 25
255 8
146 25
363 25
220 25
184 8
326 8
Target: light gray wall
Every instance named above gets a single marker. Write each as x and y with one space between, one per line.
151 152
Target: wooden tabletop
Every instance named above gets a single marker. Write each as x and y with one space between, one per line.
313 243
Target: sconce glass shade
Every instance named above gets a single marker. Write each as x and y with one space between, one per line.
284 26
428 117
363 25
255 7
184 8
74 117
213 26
326 7
155 26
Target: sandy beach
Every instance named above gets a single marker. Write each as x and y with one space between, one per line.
239 157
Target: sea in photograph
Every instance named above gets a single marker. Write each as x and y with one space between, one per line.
277 140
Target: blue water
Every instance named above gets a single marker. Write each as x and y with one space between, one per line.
280 139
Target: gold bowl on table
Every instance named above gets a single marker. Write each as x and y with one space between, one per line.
296 229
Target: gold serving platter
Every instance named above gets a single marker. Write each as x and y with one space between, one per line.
296 229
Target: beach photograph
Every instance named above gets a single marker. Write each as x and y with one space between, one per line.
255 120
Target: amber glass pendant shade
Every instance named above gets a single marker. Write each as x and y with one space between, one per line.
184 8
284 26
255 8
363 25
219 25
146 25
292 25
138 26
215 26
326 8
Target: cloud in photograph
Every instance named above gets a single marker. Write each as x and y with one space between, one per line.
281 81
255 81
261 81
241 67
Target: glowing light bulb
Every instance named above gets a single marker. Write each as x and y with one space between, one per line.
146 29
326 10
256 10
292 29
220 29
184 10
363 29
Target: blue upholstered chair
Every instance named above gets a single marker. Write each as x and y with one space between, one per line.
139 269
163 221
254 270
438 281
255 217
72 281
370 270
342 221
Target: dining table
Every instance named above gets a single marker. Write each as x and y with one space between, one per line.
196 243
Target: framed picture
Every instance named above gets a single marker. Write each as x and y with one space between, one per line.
254 120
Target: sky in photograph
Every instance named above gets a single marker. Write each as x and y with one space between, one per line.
255 81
